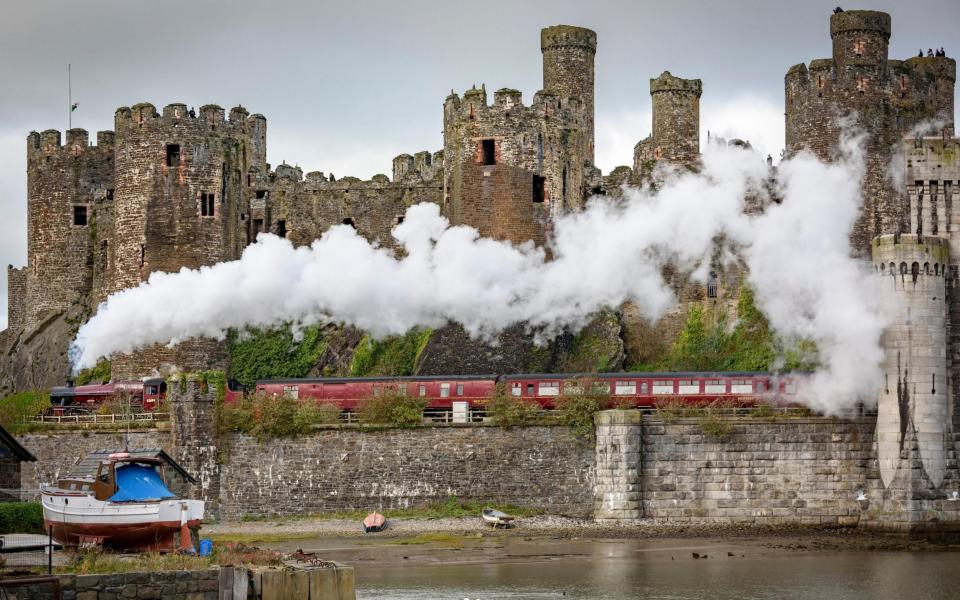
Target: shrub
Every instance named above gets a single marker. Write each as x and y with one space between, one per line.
507 410
268 416
391 407
715 426
576 409
14 409
21 517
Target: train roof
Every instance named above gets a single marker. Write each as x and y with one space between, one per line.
639 374
381 378
517 376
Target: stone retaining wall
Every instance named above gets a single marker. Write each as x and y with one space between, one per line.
349 469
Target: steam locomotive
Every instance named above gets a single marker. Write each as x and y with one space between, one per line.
144 395
446 392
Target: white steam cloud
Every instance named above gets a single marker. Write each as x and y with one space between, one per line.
797 253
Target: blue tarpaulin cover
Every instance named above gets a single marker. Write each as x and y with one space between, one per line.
137 483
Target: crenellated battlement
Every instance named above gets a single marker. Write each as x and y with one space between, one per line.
508 104
860 21
48 143
931 254
667 83
210 116
567 36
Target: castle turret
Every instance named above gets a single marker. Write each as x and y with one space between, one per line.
676 125
63 183
568 57
913 397
860 42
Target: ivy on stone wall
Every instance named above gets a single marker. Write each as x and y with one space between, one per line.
263 354
395 355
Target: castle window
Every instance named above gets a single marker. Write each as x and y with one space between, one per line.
539 194
207 204
861 84
261 194
903 268
173 155
399 219
143 255
597 191
348 221
281 228
79 215
712 285
858 47
110 195
489 149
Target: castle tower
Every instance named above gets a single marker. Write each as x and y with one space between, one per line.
885 98
568 56
63 184
913 399
676 124
180 201
509 169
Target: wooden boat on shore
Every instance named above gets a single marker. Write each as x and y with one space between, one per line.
120 499
374 522
496 518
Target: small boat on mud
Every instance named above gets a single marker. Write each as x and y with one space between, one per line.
120 499
374 522
496 518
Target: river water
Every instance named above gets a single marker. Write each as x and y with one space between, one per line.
619 570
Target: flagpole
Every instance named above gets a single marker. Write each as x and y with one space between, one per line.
69 98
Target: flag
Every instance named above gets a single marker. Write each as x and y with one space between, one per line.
74 106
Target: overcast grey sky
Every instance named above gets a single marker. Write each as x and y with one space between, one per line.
345 86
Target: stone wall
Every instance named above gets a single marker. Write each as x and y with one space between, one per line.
788 471
57 451
349 469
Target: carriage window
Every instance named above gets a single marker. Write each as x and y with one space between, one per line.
423 390
790 388
625 388
643 387
516 389
572 388
291 391
662 387
401 389
689 386
529 389
459 389
377 390
741 386
714 386
444 390
152 389
549 388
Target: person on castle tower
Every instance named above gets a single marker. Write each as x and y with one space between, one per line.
192 113
837 10
921 53
929 52
332 178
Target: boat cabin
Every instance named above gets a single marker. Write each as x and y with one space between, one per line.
126 476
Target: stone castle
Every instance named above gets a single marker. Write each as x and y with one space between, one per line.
179 188
183 188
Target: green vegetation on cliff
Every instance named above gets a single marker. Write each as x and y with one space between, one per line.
263 354
707 343
396 355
